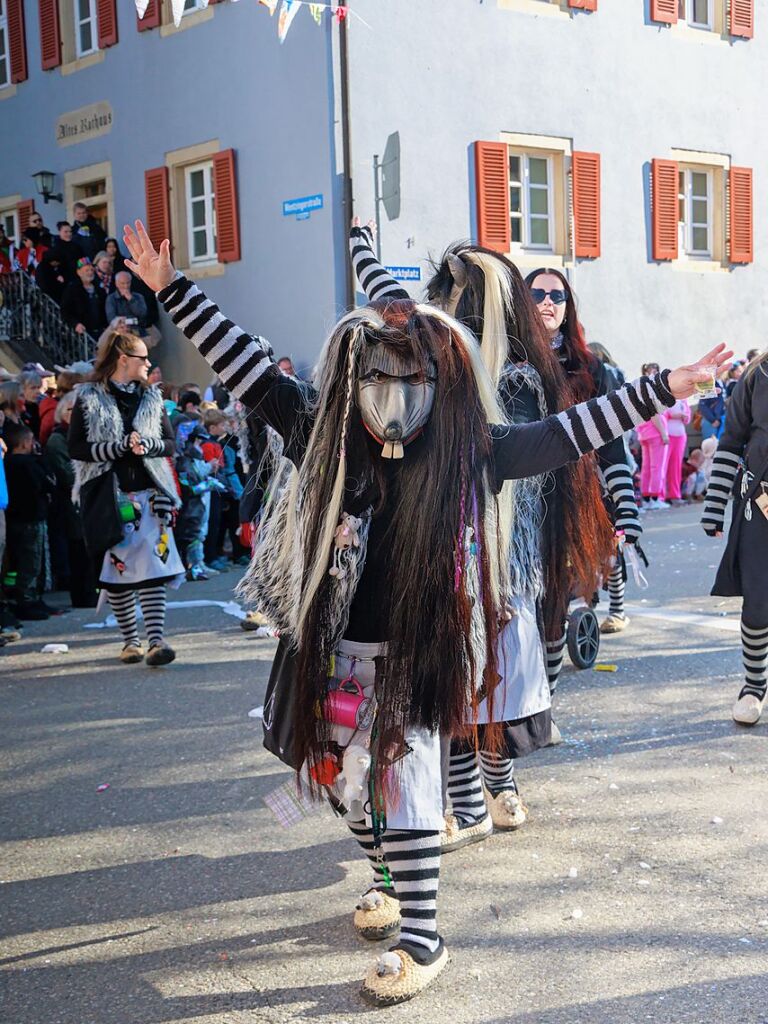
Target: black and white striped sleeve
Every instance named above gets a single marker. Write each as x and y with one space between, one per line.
243 363
592 424
109 451
529 449
725 466
618 482
375 280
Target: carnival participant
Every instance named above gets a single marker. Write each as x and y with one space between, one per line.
588 378
120 441
550 555
740 467
383 560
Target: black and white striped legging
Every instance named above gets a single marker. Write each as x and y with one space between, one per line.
413 860
616 590
754 649
152 600
555 652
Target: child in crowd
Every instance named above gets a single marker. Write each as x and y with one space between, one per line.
29 493
197 478
694 479
211 434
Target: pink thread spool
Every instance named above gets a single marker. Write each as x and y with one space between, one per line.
348 706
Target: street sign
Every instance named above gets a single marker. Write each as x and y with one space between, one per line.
303 207
404 273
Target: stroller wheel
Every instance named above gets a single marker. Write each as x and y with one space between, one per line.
583 637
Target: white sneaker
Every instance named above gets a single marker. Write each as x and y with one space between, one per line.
747 709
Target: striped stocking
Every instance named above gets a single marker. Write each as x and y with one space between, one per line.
754 648
555 656
123 604
465 788
152 600
363 834
413 858
616 591
498 773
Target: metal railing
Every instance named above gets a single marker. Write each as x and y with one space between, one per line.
29 317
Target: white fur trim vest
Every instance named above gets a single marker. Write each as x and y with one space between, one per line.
103 422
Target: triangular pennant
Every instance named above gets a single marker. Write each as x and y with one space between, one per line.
341 12
316 10
288 12
141 7
271 5
177 8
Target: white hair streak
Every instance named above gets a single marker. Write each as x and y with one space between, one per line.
498 305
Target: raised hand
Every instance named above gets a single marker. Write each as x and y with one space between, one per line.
682 381
154 268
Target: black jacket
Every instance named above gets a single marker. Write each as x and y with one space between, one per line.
29 488
68 252
78 308
47 276
90 236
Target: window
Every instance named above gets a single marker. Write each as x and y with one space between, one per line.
695 212
5 54
191 5
86 34
698 13
201 213
530 200
10 223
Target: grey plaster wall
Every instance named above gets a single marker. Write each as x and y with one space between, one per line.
445 73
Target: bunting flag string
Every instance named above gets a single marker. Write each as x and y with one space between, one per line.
288 11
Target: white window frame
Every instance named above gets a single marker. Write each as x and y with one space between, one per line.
79 22
11 215
690 8
6 60
209 198
524 214
686 225
196 6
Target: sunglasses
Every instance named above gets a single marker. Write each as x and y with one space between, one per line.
557 295
129 355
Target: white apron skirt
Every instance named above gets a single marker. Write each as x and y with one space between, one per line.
420 801
147 553
524 689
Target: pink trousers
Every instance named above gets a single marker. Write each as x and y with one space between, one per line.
653 473
675 453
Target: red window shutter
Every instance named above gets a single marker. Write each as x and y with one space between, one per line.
742 19
741 237
227 218
665 211
583 5
106 13
17 40
585 168
24 210
664 11
158 205
152 16
50 34
494 230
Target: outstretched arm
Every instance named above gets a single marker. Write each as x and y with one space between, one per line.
533 448
375 280
243 363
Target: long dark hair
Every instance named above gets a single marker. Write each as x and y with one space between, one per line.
579 363
577 537
438 493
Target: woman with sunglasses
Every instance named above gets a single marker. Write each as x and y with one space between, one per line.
588 377
120 440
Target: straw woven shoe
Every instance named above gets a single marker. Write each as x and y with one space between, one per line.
131 655
396 977
458 833
377 916
508 812
747 709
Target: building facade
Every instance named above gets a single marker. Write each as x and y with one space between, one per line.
618 140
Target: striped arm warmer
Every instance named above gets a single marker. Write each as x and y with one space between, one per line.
592 424
153 447
724 469
618 481
375 281
108 451
244 364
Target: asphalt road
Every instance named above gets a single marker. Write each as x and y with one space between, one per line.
636 891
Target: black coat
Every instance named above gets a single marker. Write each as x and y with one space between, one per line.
90 236
78 308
